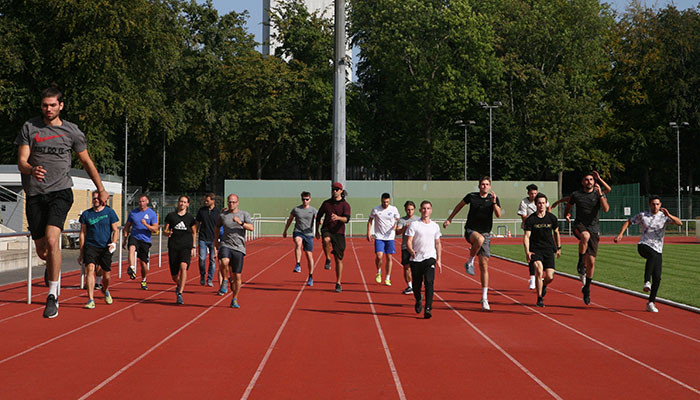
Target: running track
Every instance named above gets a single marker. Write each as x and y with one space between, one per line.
292 341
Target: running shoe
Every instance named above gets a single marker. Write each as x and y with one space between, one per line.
234 303
297 268
210 283
544 290
408 290
419 305
328 264
647 286
387 282
178 298
651 307
532 283
428 313
338 289
98 286
310 281
540 302
202 281
485 305
586 294
108 297
132 272
144 285
90 304
469 266
223 289
378 278
51 310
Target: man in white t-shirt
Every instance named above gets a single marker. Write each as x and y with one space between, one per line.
423 242
385 217
527 208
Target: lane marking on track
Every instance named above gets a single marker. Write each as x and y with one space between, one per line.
622 313
175 332
592 339
385 345
263 362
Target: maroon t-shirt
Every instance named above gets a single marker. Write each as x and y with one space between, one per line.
330 206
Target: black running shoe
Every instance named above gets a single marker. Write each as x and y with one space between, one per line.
419 306
178 298
51 310
131 272
338 289
428 313
540 303
586 294
328 264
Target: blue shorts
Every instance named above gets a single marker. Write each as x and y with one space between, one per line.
306 240
384 246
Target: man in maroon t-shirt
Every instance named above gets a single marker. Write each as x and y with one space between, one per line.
335 213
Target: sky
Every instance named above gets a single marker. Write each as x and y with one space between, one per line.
254 8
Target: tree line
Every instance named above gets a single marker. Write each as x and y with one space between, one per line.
580 88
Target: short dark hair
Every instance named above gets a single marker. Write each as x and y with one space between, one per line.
210 195
304 194
185 196
539 196
386 196
531 186
409 203
654 197
484 178
144 195
587 174
424 202
52 91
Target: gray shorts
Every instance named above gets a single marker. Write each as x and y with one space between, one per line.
485 250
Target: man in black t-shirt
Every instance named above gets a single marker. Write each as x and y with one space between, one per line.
541 242
182 237
482 206
589 200
207 216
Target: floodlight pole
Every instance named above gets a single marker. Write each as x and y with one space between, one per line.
678 127
465 124
125 191
338 172
495 104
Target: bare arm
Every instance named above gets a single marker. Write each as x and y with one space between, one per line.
622 231
606 187
454 212
369 229
438 249
526 245
286 226
496 208
676 220
83 231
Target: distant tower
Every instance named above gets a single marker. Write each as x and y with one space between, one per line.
326 6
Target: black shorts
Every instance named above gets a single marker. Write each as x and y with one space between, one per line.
100 257
405 258
337 241
48 209
546 257
592 249
142 248
235 259
177 257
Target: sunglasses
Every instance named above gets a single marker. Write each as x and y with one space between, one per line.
305 199
337 189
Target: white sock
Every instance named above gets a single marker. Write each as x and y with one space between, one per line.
53 288
484 293
471 259
388 277
144 279
379 271
410 284
132 267
532 277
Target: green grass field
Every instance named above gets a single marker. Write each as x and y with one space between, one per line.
620 265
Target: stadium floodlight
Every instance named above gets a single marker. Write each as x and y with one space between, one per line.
486 105
677 127
464 125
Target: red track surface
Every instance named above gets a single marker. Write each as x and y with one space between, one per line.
288 340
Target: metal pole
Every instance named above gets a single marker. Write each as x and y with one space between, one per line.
490 143
29 269
465 152
338 172
678 153
162 207
125 192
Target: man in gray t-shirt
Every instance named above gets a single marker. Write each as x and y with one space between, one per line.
232 246
44 160
401 228
304 216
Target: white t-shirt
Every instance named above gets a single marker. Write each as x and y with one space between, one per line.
424 236
653 228
384 222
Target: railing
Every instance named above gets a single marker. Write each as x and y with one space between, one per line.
255 234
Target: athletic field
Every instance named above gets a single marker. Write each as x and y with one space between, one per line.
293 341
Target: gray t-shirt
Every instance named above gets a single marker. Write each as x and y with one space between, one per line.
50 147
304 220
403 221
234 234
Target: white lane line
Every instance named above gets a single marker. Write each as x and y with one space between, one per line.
167 338
387 352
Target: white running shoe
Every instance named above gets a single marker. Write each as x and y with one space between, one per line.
647 286
651 307
485 305
532 282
